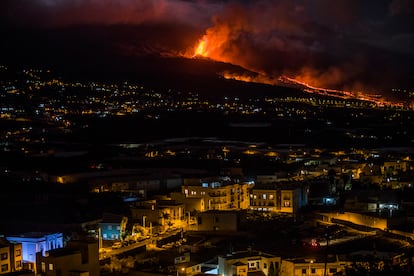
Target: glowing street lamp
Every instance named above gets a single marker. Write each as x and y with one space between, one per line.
181 271
309 265
311 262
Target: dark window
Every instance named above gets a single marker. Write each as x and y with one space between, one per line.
4 267
3 256
313 270
303 270
332 270
18 252
217 219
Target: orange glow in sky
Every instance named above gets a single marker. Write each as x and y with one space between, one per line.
216 44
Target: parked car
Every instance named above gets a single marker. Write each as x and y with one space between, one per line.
117 245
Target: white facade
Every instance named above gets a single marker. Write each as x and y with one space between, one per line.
35 242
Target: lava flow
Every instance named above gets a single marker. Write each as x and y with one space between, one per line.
202 50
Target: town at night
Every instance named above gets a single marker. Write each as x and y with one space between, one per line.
206 138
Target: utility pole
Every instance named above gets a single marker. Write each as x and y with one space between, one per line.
326 251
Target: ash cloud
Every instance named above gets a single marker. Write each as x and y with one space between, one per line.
52 13
349 44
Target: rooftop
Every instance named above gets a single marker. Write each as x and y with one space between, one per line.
246 254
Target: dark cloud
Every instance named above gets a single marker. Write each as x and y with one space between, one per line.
52 13
398 7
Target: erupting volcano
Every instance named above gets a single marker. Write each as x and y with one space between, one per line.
342 46
209 47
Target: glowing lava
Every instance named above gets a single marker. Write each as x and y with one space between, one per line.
214 45
201 48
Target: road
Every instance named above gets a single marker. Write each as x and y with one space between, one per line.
109 252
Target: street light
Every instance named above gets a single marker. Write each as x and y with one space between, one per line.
311 262
309 266
143 221
181 271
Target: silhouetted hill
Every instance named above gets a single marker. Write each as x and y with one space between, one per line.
119 53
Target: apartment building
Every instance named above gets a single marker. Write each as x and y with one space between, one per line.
278 198
219 193
34 242
10 256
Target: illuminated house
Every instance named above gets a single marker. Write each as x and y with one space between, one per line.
160 212
111 226
313 267
34 242
78 258
249 262
10 256
278 199
191 204
189 269
220 193
391 168
364 201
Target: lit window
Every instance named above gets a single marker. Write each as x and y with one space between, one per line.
109 227
270 196
264 196
50 266
43 267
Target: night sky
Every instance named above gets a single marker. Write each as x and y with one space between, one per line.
352 44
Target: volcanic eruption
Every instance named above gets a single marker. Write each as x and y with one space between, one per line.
281 43
347 45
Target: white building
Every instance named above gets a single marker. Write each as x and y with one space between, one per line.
244 262
34 242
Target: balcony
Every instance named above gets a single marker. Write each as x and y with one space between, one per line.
217 194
